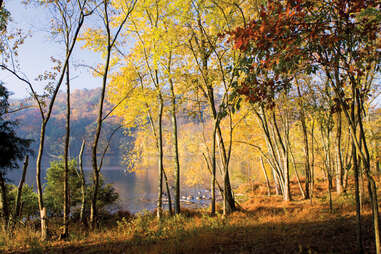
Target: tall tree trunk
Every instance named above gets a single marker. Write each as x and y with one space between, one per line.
306 148
45 116
312 159
286 190
232 205
160 159
213 205
176 150
19 189
357 197
43 219
306 163
356 174
373 197
4 202
229 203
339 158
93 208
83 183
216 182
271 147
266 178
278 190
329 170
66 206
325 131
168 194
285 150
329 176
297 176
371 183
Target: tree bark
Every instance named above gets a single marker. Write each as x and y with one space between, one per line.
19 192
19 188
286 165
278 189
371 183
339 158
312 160
357 197
205 52
356 174
297 176
43 219
83 184
306 148
266 178
229 203
110 44
93 208
160 155
45 116
213 204
66 206
176 149
4 202
168 194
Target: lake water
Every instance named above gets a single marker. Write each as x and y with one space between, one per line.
137 190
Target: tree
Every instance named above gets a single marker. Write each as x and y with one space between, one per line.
64 25
339 39
46 102
53 194
106 43
55 175
215 82
152 73
28 202
168 62
12 149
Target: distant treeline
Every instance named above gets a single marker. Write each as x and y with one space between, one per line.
83 117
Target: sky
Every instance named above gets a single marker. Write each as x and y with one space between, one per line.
35 53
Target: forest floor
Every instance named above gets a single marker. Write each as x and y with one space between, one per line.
265 225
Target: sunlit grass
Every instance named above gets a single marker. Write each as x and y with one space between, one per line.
266 223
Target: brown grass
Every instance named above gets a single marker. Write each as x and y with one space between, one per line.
267 225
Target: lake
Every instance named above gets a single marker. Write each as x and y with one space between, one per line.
137 190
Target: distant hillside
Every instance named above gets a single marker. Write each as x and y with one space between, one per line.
83 116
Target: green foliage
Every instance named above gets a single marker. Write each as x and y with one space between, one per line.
106 194
29 205
54 192
145 228
138 225
29 202
12 147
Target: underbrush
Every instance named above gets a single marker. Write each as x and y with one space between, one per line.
266 224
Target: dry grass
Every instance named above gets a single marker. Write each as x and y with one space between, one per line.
267 225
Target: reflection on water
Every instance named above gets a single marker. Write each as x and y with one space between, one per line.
137 190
